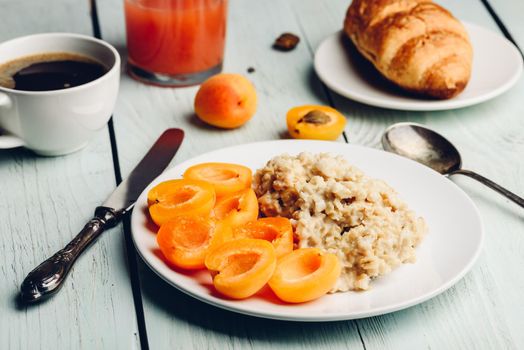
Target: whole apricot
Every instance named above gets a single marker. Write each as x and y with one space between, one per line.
226 101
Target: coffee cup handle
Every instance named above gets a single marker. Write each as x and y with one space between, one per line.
7 140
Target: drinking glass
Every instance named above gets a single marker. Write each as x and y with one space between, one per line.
175 42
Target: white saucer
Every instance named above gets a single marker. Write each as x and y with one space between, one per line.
497 65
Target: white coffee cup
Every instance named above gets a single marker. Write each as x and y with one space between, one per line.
58 122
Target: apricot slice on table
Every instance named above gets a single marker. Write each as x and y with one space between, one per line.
241 267
225 177
315 122
305 274
238 208
186 240
276 230
226 101
178 197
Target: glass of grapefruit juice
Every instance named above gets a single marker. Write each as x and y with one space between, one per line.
175 42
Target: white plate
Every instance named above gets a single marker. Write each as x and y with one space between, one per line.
446 254
497 65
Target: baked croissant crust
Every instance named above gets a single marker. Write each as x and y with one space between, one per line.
416 44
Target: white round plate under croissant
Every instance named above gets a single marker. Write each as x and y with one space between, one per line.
445 255
497 65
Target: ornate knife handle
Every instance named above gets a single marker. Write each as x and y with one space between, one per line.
47 278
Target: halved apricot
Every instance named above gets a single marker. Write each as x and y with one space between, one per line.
276 230
305 274
315 122
225 177
241 267
179 197
238 208
186 240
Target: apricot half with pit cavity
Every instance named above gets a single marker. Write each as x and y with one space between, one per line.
172 198
241 267
305 274
276 230
225 177
315 122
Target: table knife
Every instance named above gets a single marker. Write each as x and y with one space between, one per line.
47 278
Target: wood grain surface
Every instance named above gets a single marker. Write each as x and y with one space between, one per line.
483 310
44 202
509 13
476 313
48 199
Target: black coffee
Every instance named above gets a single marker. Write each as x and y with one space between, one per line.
50 71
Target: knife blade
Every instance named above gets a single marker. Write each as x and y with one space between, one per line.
153 163
47 278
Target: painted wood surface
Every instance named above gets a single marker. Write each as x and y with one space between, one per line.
44 202
174 320
510 12
481 311
484 309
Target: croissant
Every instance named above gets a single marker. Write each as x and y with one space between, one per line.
416 44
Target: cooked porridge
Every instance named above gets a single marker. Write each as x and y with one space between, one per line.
334 206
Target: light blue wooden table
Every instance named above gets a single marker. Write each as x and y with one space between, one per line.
113 301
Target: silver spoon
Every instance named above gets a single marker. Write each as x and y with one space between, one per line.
425 146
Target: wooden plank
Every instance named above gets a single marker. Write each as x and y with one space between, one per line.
510 13
483 310
145 111
45 201
510 169
173 319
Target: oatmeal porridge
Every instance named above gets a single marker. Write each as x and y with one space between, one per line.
334 206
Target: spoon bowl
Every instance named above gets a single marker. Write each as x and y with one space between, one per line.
423 145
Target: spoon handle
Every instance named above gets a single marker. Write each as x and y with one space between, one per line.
510 195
